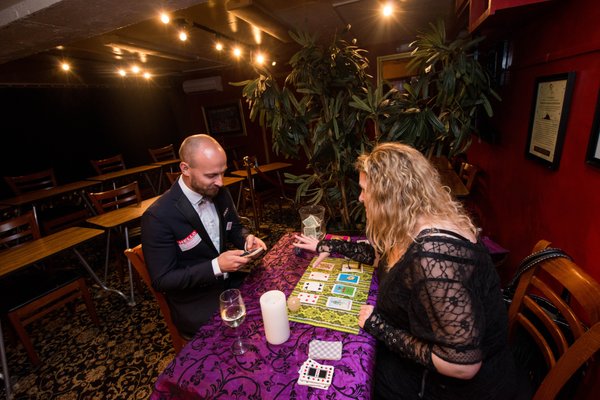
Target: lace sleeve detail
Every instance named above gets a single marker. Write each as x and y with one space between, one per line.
361 252
444 309
400 341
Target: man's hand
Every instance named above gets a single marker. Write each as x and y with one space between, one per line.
252 243
232 260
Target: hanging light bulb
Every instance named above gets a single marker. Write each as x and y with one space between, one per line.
65 66
122 72
147 75
387 10
135 69
183 35
164 18
219 46
237 52
259 59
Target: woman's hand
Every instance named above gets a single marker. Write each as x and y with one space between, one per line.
364 313
309 243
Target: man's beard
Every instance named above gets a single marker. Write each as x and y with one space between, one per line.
210 191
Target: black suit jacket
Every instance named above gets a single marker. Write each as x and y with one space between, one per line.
178 253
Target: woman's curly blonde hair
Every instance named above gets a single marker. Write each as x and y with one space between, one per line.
402 186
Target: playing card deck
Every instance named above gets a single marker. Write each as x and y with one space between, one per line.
315 375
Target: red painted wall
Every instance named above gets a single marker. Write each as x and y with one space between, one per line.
520 200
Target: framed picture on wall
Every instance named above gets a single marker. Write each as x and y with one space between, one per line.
593 151
549 114
225 119
393 70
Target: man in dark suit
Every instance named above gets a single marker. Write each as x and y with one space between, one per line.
185 233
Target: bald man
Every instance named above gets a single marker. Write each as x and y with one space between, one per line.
185 234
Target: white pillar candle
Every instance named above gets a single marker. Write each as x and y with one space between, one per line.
274 313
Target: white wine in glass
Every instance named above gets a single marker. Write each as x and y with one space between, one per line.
233 313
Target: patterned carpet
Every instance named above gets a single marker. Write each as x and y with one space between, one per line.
118 360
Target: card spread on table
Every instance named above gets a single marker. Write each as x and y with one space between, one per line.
313 286
308 298
327 266
315 375
339 303
324 350
343 290
319 276
353 267
348 278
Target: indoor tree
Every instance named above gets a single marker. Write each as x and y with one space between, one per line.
328 110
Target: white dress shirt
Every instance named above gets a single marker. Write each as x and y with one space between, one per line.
210 219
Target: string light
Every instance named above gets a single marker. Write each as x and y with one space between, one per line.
147 75
259 59
219 46
237 52
122 72
164 18
183 36
65 66
135 69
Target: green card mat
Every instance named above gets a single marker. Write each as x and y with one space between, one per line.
319 314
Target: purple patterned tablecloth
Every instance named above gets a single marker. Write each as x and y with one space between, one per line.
206 369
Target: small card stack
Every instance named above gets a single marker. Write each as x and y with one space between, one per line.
322 350
315 375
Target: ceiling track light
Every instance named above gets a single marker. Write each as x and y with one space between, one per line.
254 14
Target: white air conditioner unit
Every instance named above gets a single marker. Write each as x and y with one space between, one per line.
212 83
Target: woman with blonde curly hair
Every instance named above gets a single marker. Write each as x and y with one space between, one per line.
440 321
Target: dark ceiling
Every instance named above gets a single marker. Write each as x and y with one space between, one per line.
99 37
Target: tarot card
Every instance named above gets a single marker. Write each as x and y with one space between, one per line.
343 290
308 298
352 266
327 266
339 303
313 286
319 276
348 278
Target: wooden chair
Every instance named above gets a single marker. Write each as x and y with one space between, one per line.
172 176
106 165
162 153
31 293
136 257
60 213
559 336
468 173
110 200
261 188
31 182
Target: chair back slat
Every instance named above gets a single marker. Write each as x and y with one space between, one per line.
555 303
136 256
162 153
116 198
111 164
31 182
18 230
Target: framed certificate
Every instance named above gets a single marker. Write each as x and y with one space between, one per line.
551 102
593 152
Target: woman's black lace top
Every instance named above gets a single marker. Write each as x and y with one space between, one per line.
442 297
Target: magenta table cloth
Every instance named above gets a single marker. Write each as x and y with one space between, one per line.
206 369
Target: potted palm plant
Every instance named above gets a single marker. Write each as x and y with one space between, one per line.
328 111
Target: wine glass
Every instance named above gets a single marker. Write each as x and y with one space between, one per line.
233 313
